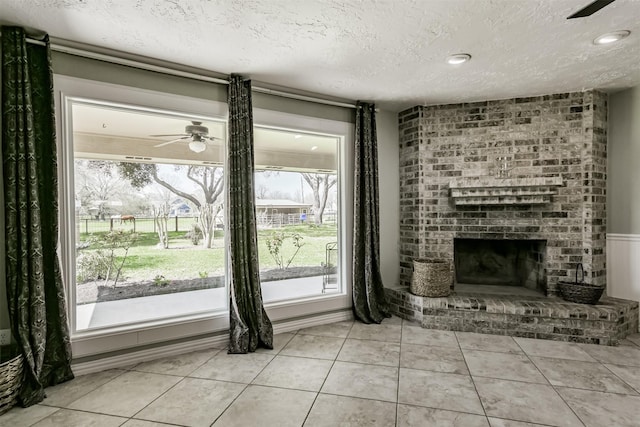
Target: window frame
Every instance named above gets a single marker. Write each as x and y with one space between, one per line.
96 342
100 340
271 119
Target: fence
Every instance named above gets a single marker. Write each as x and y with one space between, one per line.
282 220
183 223
140 224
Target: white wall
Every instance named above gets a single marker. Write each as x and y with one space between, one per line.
623 195
389 186
623 266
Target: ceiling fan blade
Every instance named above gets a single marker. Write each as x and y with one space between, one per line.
172 141
590 9
171 134
212 138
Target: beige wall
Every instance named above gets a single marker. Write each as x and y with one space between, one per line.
389 179
84 68
623 184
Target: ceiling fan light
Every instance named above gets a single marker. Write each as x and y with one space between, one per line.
612 37
197 146
458 58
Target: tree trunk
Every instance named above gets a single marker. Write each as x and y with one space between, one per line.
207 224
320 195
161 218
317 211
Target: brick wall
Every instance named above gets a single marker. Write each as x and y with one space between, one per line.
555 135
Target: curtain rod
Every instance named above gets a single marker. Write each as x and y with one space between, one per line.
195 76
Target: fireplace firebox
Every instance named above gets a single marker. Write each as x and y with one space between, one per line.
501 262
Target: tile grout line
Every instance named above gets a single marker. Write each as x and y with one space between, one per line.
124 371
551 385
174 375
293 334
620 378
353 322
435 408
246 386
475 388
173 386
399 364
58 409
597 362
201 378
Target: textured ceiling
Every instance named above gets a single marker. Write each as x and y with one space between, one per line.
388 51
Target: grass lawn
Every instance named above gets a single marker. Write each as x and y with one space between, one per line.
183 260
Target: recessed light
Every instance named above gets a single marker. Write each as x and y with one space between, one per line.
458 58
314 148
611 37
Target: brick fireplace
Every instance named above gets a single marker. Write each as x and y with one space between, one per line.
512 192
523 169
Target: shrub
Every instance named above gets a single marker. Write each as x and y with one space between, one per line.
92 265
195 234
160 280
274 245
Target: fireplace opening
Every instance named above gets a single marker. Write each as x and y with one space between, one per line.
506 263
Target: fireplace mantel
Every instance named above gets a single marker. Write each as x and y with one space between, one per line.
503 191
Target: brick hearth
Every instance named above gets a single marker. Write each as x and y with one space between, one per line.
551 318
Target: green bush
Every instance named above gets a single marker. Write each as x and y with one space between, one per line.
92 265
160 280
274 245
195 234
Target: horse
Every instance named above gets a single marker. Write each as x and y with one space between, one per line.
127 218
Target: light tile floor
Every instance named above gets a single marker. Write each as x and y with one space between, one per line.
351 374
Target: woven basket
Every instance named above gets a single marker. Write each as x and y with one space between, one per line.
431 278
582 293
11 373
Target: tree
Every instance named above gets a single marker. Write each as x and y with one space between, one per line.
161 220
262 192
209 180
98 185
320 183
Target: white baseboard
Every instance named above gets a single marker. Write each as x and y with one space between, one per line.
137 356
623 266
218 341
307 322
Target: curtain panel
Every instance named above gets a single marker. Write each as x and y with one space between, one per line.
249 325
369 300
37 308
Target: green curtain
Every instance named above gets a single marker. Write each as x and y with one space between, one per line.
369 301
37 309
249 326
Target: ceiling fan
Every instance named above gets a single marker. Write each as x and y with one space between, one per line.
590 9
195 133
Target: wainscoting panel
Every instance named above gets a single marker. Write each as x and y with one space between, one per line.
623 266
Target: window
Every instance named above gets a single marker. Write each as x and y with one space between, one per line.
135 178
297 213
149 191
